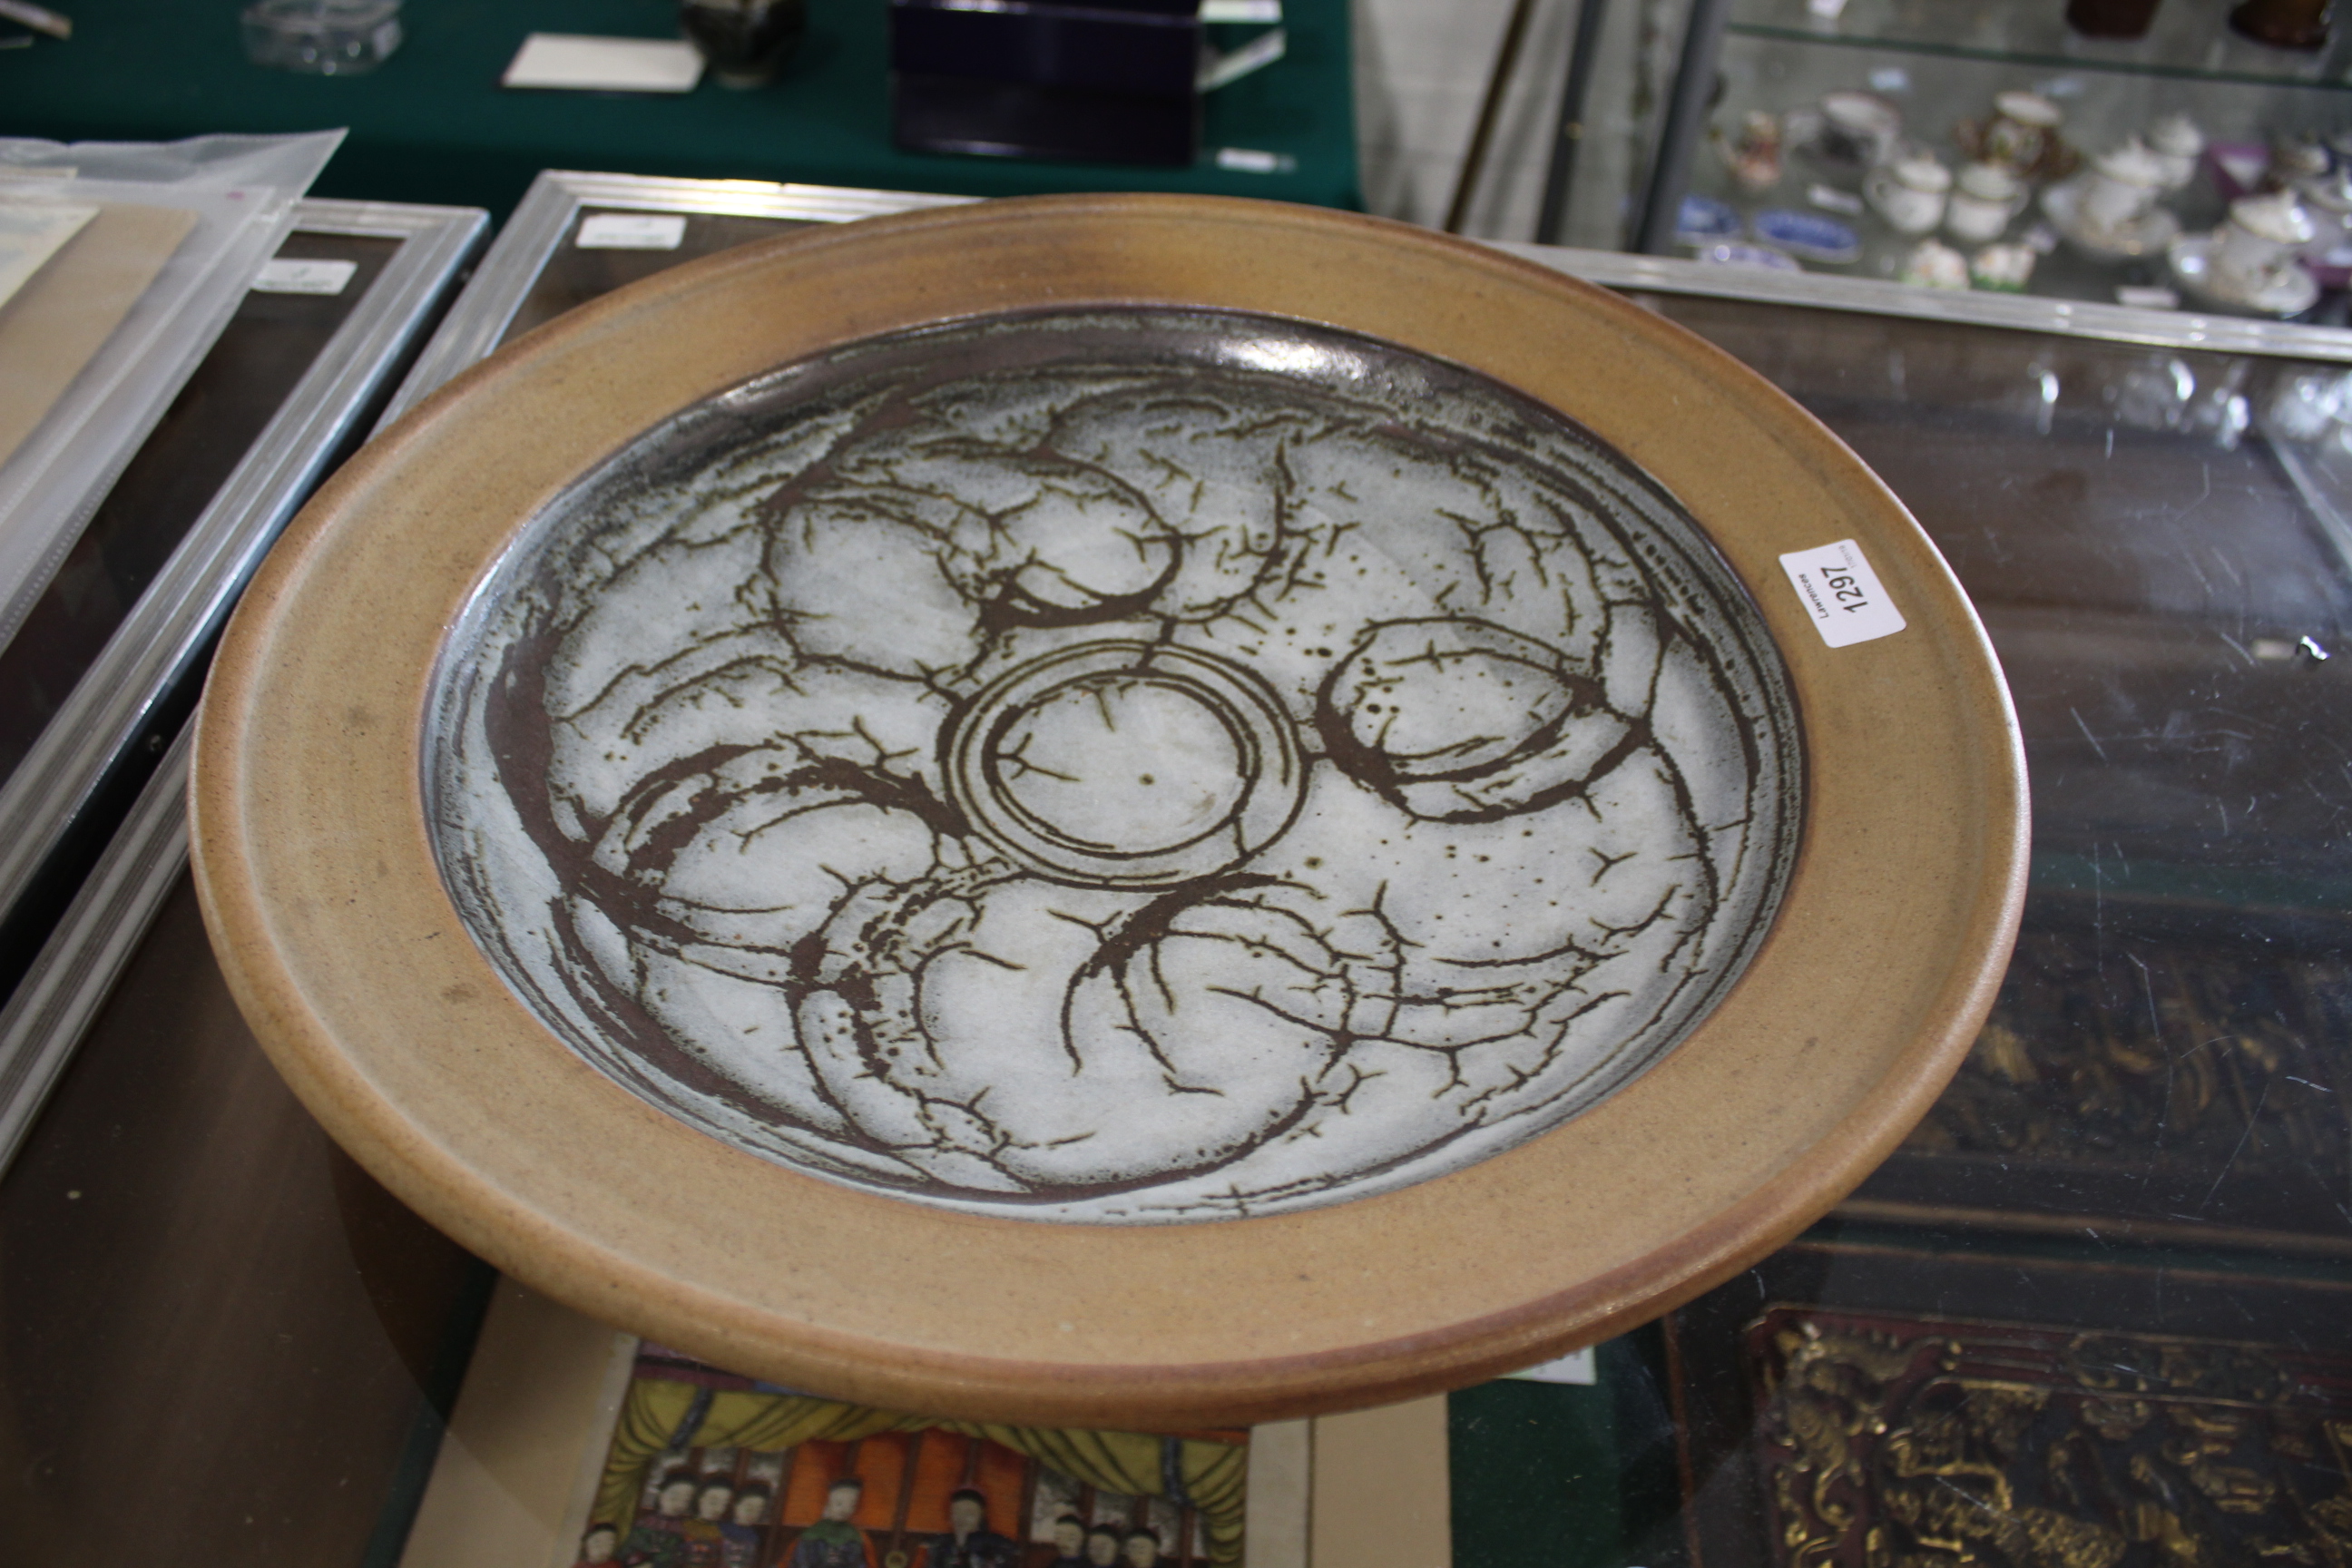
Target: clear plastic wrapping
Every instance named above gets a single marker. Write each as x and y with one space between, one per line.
180 229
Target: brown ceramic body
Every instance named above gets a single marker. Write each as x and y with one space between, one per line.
320 886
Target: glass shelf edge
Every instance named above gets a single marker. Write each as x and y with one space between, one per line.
1769 32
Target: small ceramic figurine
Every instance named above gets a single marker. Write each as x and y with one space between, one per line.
1754 155
1909 191
1932 264
1983 200
2003 269
2177 143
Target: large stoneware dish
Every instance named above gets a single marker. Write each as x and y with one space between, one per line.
1112 809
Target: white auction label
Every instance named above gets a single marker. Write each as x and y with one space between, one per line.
1843 594
281 275
631 231
1575 1367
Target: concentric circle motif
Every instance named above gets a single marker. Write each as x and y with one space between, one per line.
1117 767
1127 764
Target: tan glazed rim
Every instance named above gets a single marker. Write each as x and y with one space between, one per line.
320 885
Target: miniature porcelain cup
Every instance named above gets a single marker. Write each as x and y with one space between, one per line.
2122 186
1858 127
1983 201
2258 241
1909 191
2299 158
2024 126
2176 143
2327 200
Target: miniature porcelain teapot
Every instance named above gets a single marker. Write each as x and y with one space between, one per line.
1909 191
2260 240
1985 198
2122 186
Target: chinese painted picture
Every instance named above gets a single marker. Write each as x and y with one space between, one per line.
1129 767
1943 1442
709 1470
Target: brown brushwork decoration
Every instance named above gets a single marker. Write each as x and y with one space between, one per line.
1064 767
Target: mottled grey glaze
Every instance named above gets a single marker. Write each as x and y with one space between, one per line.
1117 767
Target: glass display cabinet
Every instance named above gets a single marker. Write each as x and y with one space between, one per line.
2094 1310
1781 108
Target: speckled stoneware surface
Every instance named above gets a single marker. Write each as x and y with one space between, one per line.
1147 766
1110 809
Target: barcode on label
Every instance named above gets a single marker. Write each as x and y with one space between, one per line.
631 231
1843 596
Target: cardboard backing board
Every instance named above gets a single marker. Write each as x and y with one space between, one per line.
32 232
54 325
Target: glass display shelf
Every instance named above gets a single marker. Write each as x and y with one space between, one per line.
1939 67
2183 42
1938 101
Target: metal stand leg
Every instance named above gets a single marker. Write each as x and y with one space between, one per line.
1568 137
1686 120
1498 83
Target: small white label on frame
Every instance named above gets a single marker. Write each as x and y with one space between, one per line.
632 231
1575 1367
1843 594
282 275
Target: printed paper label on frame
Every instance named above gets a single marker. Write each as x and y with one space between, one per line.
631 231
286 276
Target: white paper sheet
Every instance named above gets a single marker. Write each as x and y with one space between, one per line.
32 232
584 63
